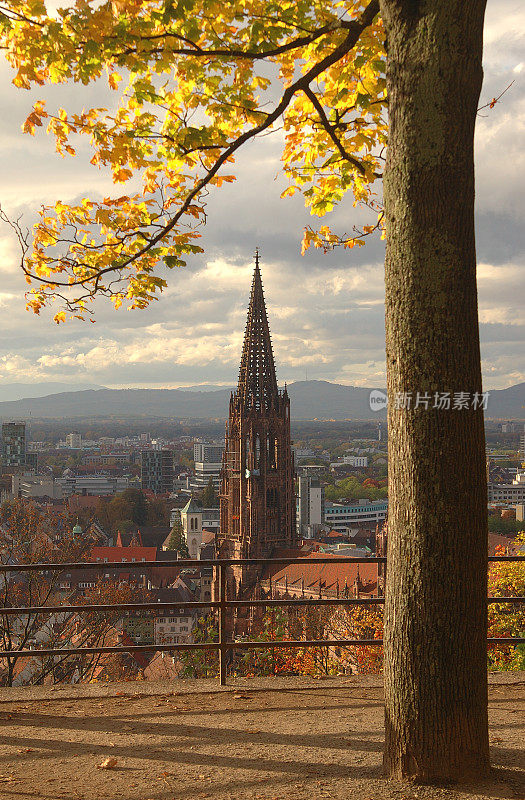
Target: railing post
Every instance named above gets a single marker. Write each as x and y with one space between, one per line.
222 625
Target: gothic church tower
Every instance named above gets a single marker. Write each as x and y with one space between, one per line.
257 499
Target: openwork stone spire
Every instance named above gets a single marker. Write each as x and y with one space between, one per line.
257 387
257 497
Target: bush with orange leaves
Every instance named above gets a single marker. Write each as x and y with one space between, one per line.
507 579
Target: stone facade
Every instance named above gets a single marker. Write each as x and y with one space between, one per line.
257 501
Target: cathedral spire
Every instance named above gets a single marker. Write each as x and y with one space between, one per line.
257 387
257 499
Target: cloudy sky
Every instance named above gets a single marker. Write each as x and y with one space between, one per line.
326 311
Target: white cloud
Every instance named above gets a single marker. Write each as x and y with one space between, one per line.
326 312
14 367
500 294
315 332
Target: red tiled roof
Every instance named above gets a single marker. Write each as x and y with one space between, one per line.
161 667
140 656
129 553
150 536
328 574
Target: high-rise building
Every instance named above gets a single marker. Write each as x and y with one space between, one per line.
310 506
74 440
156 470
257 503
207 452
208 462
13 444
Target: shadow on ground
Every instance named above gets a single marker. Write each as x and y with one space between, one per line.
302 743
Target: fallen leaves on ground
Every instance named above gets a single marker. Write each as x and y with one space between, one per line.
108 763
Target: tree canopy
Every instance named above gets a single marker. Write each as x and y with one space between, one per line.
194 80
177 539
209 496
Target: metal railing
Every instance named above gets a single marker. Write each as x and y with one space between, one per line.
223 645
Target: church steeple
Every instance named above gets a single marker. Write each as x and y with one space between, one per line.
257 496
257 386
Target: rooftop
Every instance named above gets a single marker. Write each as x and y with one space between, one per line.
265 738
191 507
327 575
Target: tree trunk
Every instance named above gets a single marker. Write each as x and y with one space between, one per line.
10 671
435 610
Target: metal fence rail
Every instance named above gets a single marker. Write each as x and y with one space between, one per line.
223 645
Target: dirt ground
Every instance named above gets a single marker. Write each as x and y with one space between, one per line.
304 740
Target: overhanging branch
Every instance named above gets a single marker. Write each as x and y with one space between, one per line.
354 30
254 55
329 128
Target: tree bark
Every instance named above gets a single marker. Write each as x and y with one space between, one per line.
436 587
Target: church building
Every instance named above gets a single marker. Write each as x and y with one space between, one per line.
257 498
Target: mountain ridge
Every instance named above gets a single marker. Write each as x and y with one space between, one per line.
25 391
321 400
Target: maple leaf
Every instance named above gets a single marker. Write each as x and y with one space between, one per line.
108 763
193 95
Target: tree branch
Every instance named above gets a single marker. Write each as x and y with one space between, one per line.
494 100
354 28
253 55
329 128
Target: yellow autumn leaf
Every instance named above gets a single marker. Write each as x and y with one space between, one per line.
114 79
177 117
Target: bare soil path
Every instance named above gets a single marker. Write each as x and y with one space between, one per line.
266 739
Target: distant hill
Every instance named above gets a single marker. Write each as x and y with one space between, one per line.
324 400
20 391
507 402
204 387
310 400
